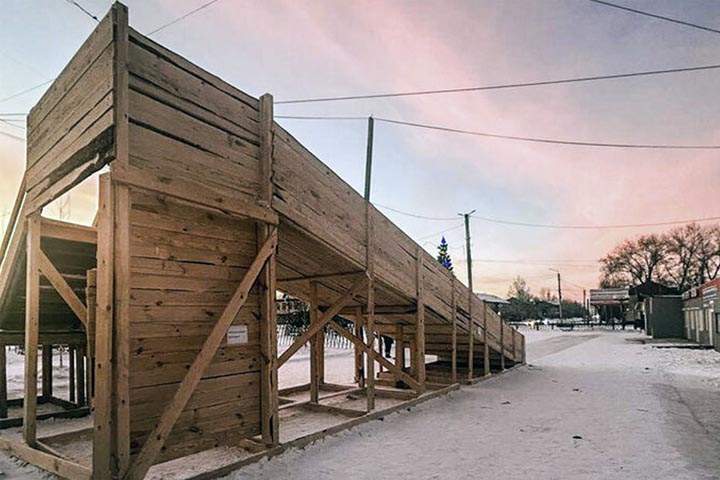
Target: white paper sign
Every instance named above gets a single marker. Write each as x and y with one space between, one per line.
237 334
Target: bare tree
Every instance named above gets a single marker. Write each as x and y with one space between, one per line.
682 262
635 260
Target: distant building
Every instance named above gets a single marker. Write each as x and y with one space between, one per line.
701 308
610 303
657 309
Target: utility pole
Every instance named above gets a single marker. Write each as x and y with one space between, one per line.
585 312
368 158
559 293
467 247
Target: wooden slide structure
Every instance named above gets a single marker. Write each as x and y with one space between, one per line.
206 209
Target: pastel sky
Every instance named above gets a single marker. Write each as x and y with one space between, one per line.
300 49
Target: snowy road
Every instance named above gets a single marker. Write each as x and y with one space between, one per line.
590 405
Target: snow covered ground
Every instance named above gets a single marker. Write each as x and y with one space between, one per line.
589 405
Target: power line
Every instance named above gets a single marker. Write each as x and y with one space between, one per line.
16 137
306 117
440 232
557 226
9 122
385 207
547 140
653 15
73 2
502 86
15 95
192 12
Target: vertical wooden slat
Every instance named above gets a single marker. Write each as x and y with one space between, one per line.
80 356
71 379
400 347
91 299
121 331
102 402
471 335
266 143
121 237
370 328
47 372
32 325
502 344
269 406
3 381
314 375
486 346
359 359
420 319
370 313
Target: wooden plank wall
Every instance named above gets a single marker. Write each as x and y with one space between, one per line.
70 128
196 137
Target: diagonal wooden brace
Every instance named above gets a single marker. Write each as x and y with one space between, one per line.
323 320
392 368
58 282
156 440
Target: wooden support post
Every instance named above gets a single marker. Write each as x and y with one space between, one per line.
121 331
370 308
103 448
80 362
71 376
370 327
453 307
514 350
400 347
359 353
471 335
314 354
3 381
47 371
32 325
420 319
486 345
157 438
269 403
91 299
502 344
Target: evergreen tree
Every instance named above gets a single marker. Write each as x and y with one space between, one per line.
443 255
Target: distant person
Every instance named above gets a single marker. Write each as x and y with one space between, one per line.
388 345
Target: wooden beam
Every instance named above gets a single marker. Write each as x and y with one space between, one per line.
47 371
324 318
502 345
71 380
61 286
80 363
102 402
384 310
14 214
68 231
3 381
359 360
56 465
392 368
91 302
314 353
370 308
420 319
121 327
32 326
453 299
157 438
486 345
318 407
326 276
266 146
270 418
